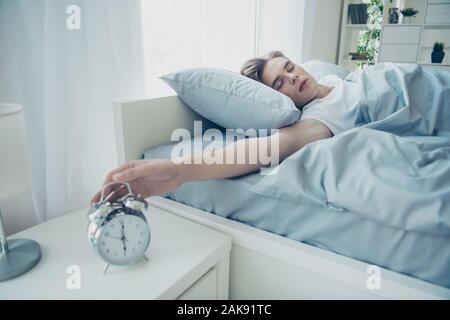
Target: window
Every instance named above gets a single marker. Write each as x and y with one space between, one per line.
190 33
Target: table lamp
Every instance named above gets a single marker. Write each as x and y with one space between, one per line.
19 255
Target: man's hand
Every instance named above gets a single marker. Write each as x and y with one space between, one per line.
146 177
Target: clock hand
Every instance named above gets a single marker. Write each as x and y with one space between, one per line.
124 239
123 230
121 239
124 247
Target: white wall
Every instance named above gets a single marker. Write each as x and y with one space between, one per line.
313 32
321 30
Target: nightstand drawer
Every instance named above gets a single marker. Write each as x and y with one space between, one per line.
398 53
438 13
204 289
401 35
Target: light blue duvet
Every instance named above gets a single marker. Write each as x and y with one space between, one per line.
404 99
379 192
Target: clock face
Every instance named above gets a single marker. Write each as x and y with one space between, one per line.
123 239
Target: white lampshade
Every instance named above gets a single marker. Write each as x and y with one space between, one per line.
17 256
15 176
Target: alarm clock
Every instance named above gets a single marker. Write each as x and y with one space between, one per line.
118 231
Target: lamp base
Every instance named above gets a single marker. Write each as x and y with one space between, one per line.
22 256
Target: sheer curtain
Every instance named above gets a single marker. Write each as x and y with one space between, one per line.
67 79
190 33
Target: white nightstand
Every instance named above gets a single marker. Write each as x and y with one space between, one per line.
186 261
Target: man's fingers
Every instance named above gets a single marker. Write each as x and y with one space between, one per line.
123 167
116 194
109 176
95 198
106 192
111 189
110 193
132 173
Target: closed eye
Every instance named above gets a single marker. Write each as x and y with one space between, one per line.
279 84
289 68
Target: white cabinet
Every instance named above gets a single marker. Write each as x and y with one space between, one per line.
399 52
401 35
204 289
399 43
438 14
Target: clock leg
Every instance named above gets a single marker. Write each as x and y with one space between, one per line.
105 269
145 257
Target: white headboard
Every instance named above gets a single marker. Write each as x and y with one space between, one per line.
143 124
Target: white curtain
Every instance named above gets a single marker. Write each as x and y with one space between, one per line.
66 79
191 33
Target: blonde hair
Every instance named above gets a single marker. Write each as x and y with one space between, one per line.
254 67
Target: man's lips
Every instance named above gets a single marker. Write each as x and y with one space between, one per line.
302 85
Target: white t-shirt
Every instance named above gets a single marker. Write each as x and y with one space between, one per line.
338 109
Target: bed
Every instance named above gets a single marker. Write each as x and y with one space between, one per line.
264 265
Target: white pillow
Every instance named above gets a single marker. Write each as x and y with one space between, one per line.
232 100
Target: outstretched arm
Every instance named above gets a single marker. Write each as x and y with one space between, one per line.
156 177
290 139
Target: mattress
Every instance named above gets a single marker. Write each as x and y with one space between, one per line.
421 255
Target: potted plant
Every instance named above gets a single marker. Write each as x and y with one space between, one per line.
438 52
408 13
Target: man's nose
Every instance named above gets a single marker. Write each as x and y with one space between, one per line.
293 78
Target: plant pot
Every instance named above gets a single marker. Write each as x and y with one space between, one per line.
407 19
437 57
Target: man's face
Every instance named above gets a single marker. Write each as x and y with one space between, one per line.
290 79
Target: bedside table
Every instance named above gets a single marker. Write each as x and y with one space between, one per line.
186 261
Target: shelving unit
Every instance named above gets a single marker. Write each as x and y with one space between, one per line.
403 42
414 41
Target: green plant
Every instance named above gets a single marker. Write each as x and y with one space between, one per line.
438 47
409 12
369 39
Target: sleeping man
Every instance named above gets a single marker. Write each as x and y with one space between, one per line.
404 100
